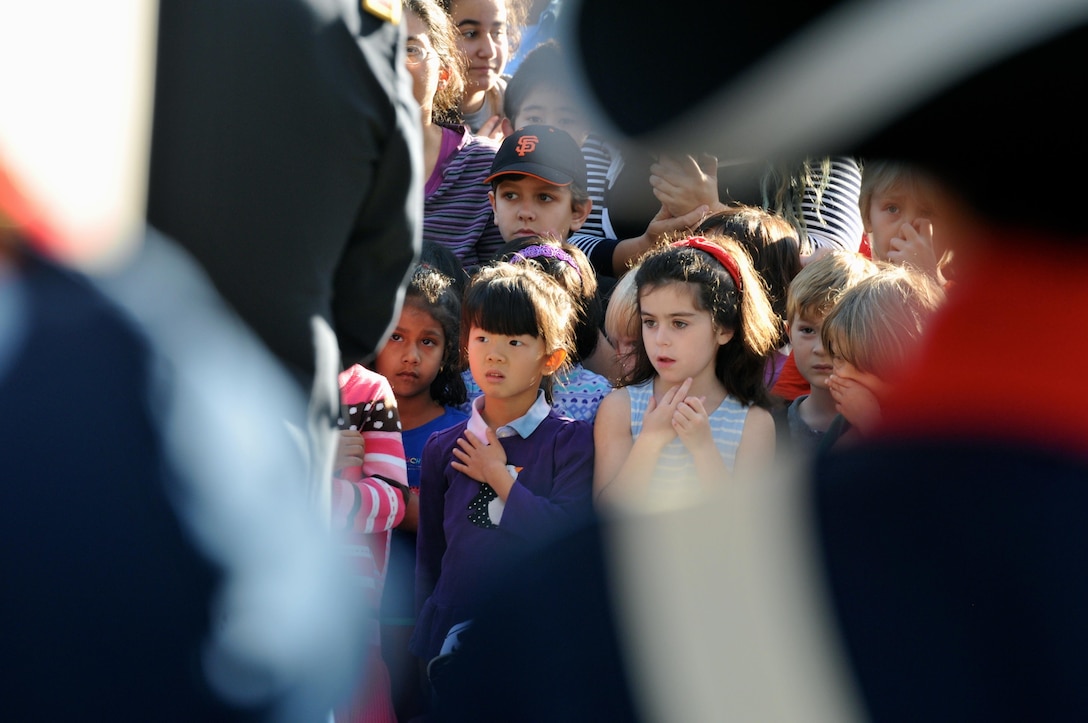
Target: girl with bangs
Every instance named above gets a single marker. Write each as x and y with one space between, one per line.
694 407
516 473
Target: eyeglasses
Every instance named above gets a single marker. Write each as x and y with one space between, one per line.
416 54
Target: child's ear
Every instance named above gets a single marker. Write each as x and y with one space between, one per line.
491 197
579 214
554 361
723 335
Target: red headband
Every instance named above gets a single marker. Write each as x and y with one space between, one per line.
723 257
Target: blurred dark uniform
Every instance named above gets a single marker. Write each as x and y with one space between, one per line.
106 602
284 157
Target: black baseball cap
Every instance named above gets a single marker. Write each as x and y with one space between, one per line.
543 152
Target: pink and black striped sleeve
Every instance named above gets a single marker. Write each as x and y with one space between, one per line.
369 498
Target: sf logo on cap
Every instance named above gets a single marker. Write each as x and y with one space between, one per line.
526 144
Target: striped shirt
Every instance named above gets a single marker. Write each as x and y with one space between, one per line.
600 157
456 210
675 466
833 218
365 504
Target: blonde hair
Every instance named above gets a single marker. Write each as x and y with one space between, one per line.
621 315
819 285
878 324
880 176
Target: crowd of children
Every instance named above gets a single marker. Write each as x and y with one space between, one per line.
543 370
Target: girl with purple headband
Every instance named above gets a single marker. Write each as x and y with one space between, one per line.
693 408
576 391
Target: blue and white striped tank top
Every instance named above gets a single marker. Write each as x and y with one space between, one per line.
675 467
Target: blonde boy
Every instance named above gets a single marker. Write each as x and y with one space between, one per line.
907 215
812 294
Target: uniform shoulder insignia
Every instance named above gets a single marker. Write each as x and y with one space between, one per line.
387 10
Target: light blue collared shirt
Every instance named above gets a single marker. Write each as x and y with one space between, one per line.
523 426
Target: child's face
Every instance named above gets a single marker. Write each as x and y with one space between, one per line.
902 204
681 340
813 361
552 106
412 356
509 368
528 206
482 37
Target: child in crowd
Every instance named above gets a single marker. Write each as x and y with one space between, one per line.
622 326
456 210
903 209
544 92
483 38
577 391
538 184
369 498
772 243
812 294
693 410
872 333
421 362
516 473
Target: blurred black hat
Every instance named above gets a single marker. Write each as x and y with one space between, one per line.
982 92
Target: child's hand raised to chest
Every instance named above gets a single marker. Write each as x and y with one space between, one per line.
483 461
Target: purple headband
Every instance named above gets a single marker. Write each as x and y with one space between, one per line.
532 252
719 253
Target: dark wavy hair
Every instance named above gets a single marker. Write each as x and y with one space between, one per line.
772 243
741 363
434 292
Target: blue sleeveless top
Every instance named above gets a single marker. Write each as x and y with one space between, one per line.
675 467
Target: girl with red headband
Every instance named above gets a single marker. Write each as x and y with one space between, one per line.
693 409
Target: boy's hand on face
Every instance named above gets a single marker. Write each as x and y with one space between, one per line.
914 246
858 398
684 184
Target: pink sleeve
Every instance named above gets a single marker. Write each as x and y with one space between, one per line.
363 500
